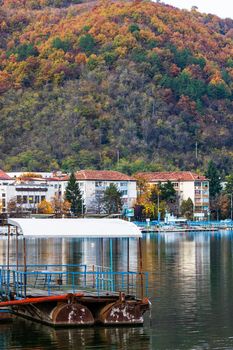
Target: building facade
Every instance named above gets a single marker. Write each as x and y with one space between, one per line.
93 183
28 191
187 185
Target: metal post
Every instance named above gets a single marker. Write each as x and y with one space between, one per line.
128 265
196 149
231 207
102 251
140 265
118 157
8 262
17 249
111 264
93 278
25 267
8 248
158 207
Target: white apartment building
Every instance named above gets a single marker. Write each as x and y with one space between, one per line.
6 184
93 183
28 191
187 184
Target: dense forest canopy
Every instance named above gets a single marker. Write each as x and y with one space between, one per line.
127 85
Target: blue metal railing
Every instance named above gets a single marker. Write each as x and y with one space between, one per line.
222 223
20 283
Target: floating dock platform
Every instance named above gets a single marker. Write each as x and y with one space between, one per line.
81 298
74 295
81 309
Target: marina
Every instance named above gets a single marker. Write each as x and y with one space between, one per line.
192 226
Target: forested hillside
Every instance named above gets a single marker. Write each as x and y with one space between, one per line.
125 85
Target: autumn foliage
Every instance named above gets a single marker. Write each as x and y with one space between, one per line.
141 77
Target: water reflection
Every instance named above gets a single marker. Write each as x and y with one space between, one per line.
43 337
190 287
72 251
193 282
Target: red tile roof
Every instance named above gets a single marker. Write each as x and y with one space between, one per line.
57 178
4 176
171 176
102 175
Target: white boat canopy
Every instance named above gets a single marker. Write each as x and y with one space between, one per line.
82 228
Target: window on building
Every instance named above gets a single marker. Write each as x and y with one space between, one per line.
123 184
3 194
176 184
37 199
197 191
3 203
205 184
19 199
30 198
198 208
98 184
197 183
25 199
124 193
42 198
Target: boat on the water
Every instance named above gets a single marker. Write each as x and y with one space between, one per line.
75 295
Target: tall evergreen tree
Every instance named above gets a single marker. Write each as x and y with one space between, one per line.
213 175
167 191
186 208
73 195
112 199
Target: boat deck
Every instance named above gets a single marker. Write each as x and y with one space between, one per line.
59 296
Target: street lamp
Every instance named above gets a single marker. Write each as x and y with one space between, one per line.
208 213
231 205
231 194
158 207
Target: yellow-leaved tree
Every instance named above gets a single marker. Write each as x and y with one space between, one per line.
45 207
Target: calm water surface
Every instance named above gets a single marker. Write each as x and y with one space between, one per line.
190 287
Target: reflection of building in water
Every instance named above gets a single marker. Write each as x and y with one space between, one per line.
43 250
91 251
193 269
3 250
120 254
97 251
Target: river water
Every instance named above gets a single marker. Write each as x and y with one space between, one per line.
190 287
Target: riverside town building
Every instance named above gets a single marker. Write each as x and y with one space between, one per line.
29 189
187 185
